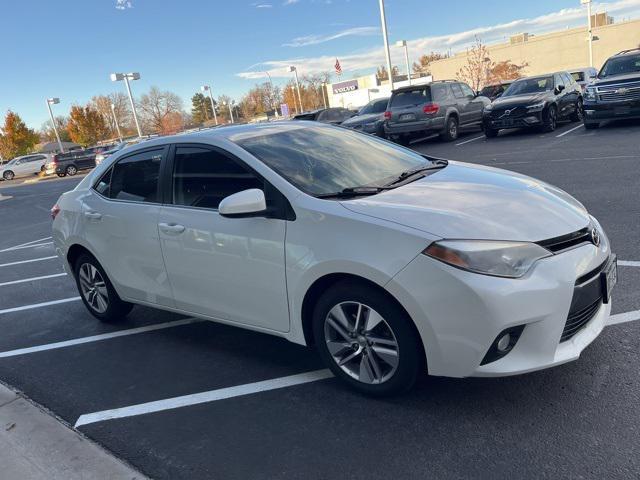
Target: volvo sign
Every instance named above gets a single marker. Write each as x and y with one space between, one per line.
344 87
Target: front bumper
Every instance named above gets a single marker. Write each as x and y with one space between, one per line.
528 120
459 314
611 110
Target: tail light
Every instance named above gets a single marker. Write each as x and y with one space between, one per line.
387 115
431 108
54 160
55 210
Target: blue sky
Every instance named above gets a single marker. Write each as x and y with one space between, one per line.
67 48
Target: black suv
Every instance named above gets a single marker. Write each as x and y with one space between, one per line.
334 115
615 93
70 163
442 107
539 102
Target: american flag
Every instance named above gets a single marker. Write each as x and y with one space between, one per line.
338 67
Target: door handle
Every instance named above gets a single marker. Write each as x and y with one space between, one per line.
171 228
93 215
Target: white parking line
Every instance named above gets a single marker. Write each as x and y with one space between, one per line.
628 263
27 243
624 317
32 279
39 305
98 338
28 261
203 397
22 247
469 141
569 131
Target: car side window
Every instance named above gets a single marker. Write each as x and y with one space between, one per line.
381 106
568 80
102 187
202 177
135 178
457 90
558 80
466 89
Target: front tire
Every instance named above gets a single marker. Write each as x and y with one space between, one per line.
8 175
97 292
550 119
578 115
367 340
451 130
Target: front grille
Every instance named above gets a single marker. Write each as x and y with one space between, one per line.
515 112
619 92
564 242
579 319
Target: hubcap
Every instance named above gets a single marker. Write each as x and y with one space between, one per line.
580 111
453 130
93 287
71 170
361 342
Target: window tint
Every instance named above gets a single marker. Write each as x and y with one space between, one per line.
441 92
578 76
380 106
102 187
558 80
621 66
35 158
457 90
466 89
135 178
203 177
568 80
408 98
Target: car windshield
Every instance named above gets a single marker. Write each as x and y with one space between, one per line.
620 66
321 160
530 85
377 106
578 76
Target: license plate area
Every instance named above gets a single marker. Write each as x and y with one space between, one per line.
407 117
609 278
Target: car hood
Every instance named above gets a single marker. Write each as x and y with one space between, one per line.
464 201
362 119
516 100
616 79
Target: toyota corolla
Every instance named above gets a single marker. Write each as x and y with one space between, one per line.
389 262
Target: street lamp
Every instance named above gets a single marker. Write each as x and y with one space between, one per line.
383 20
271 95
207 88
115 119
295 71
230 104
403 43
589 30
54 101
118 77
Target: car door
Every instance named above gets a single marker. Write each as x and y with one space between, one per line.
474 105
28 166
573 92
462 103
230 269
561 97
120 221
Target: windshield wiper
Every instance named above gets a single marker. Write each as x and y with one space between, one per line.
354 192
417 172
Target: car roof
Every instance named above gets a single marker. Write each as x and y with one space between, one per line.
631 51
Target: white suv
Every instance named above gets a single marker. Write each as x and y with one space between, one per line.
24 166
391 263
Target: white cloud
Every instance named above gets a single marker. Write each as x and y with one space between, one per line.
290 2
316 39
369 59
123 4
262 5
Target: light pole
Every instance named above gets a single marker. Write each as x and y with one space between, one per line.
324 92
383 20
54 101
230 104
295 71
118 77
589 30
115 120
403 43
274 104
207 88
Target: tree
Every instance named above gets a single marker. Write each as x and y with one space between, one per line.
172 123
120 102
423 65
505 70
222 108
86 126
479 64
15 138
201 110
47 134
156 105
382 74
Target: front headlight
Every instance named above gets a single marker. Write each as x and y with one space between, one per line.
488 257
590 94
536 107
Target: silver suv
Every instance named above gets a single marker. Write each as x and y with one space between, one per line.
442 107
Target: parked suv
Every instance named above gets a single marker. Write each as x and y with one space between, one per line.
70 163
24 166
439 107
615 93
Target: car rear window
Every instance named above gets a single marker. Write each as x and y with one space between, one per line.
408 98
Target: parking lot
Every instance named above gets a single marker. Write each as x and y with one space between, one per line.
180 398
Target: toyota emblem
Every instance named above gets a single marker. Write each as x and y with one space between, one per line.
595 237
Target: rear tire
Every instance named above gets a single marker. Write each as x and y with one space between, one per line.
451 130
381 355
62 175
71 170
8 175
591 125
97 292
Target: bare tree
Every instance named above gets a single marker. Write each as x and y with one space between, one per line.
478 67
156 106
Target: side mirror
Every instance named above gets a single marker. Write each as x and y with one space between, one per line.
247 203
559 89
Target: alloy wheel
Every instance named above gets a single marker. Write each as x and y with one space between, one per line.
361 342
552 119
453 130
71 170
8 175
93 288
580 111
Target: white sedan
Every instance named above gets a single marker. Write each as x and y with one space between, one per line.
389 262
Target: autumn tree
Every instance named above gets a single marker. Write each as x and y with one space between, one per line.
423 65
383 74
156 105
201 110
120 102
479 64
15 138
506 70
86 126
47 134
172 123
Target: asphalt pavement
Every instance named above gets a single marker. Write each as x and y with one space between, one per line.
179 398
